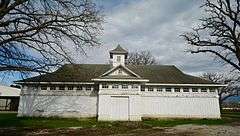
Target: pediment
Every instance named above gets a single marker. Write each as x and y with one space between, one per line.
120 71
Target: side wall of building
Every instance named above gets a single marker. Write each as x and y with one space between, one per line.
63 104
180 107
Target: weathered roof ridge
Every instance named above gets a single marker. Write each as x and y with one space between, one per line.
119 49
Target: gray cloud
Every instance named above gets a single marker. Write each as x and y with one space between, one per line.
155 26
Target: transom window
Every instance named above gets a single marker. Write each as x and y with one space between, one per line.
212 90
134 86
124 86
115 86
168 89
185 89
159 89
118 58
43 87
70 87
194 90
150 89
79 88
88 88
104 85
61 87
142 88
52 87
176 89
203 89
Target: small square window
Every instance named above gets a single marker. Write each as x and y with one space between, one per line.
52 87
79 88
104 86
124 86
142 88
168 89
212 90
88 88
150 89
203 89
43 87
194 90
185 90
118 58
176 89
115 86
159 89
70 87
134 86
61 87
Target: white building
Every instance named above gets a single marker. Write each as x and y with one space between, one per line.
9 98
118 91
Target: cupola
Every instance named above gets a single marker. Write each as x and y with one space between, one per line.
118 56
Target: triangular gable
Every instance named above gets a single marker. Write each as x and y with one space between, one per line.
130 73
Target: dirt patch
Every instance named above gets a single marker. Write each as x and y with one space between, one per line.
181 130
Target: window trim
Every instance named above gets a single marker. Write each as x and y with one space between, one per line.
124 86
186 90
70 88
88 88
118 58
105 86
212 90
150 89
142 88
177 89
195 89
62 87
79 88
203 90
41 87
159 89
167 89
115 86
53 88
134 86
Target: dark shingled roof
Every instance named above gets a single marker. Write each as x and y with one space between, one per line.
119 50
86 72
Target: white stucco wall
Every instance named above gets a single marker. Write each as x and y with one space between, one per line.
72 103
47 103
194 107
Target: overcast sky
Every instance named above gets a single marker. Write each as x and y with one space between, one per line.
153 25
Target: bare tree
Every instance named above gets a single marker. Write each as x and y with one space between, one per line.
141 58
219 32
232 88
39 35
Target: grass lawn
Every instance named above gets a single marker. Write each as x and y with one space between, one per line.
10 120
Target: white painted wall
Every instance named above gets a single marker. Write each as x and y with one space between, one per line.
72 103
67 103
64 106
190 107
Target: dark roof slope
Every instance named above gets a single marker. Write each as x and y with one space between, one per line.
119 50
86 72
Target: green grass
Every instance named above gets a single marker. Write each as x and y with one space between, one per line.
227 118
10 120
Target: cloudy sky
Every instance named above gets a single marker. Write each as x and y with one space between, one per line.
153 25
